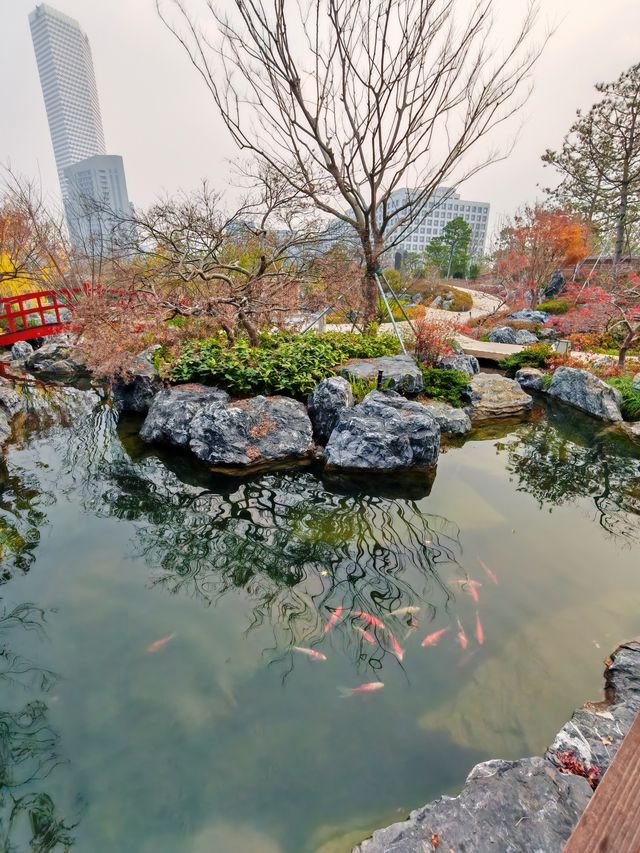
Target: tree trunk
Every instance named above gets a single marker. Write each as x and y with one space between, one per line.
370 295
621 224
249 328
622 352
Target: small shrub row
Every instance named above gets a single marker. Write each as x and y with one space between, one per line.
283 362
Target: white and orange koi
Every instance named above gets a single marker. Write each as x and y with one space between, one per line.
312 653
369 687
369 619
397 648
462 637
158 644
491 575
433 639
367 635
471 587
335 616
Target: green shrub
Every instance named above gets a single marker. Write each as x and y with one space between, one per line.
554 306
547 380
537 355
630 407
446 385
360 386
283 362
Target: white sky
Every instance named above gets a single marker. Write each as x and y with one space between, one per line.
159 116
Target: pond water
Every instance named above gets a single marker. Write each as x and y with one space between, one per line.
150 696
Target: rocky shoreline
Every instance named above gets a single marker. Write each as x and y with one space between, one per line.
532 804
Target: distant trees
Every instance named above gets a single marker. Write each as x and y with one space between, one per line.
534 244
599 164
450 251
345 99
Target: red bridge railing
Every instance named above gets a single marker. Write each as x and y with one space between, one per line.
34 315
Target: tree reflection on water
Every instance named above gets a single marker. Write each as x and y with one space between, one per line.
567 456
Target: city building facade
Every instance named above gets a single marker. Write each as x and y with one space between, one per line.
97 203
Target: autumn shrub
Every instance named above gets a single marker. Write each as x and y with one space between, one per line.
554 306
283 362
432 339
448 385
630 406
537 355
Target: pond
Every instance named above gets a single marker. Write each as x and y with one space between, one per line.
151 697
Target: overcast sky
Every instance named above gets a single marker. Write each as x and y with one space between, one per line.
159 116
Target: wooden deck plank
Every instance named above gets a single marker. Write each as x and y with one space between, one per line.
611 821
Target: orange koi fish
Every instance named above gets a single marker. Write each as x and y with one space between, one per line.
433 639
491 575
369 619
471 587
367 635
337 613
158 644
369 687
462 637
479 631
397 648
311 652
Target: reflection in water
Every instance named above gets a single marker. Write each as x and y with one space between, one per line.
21 518
560 459
28 747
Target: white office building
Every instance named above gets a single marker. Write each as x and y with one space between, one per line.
70 95
97 200
443 206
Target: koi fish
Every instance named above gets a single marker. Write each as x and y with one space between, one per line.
479 631
397 648
337 613
311 652
491 575
367 635
471 587
369 619
433 639
369 687
462 637
158 644
405 611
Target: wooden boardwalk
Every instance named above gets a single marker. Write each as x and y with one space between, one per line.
611 821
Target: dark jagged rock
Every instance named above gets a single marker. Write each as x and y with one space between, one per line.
135 391
494 396
530 378
524 338
172 410
502 335
326 401
399 372
385 432
529 315
450 420
251 433
58 357
21 351
468 364
556 286
585 391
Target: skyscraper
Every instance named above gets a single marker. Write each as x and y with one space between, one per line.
94 189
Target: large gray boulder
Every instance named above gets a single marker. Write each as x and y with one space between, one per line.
58 357
21 351
502 335
524 338
172 410
135 390
251 433
386 433
529 315
450 420
525 805
326 401
11 404
636 382
492 395
399 372
530 378
585 391
468 364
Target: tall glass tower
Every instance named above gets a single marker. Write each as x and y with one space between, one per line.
68 84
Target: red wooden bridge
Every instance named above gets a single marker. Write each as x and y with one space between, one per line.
35 315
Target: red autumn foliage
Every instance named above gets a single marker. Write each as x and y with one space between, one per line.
568 762
432 339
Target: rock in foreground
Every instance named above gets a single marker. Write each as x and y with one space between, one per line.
451 421
56 358
585 391
326 401
530 378
399 372
494 396
468 364
384 433
251 433
135 391
173 409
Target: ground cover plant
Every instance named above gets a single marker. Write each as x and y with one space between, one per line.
446 385
538 355
630 406
283 362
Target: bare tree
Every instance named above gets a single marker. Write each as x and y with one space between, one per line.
350 100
